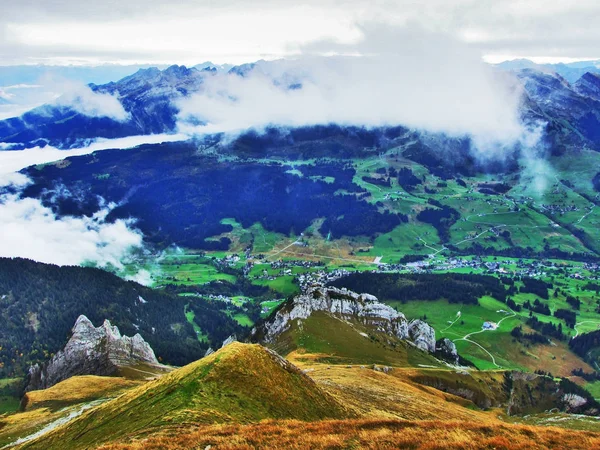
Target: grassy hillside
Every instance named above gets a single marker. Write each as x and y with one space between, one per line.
369 434
76 390
337 341
246 396
42 410
240 383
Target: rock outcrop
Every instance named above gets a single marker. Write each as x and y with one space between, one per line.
362 308
422 335
447 350
92 351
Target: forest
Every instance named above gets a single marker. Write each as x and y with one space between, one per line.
39 304
585 343
456 288
180 197
442 218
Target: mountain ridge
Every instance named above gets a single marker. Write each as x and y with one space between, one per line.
95 351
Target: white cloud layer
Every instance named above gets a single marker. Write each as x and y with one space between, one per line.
92 104
30 230
410 77
12 161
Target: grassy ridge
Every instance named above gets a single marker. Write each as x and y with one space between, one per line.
78 389
240 383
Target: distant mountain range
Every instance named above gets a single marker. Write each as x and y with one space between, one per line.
570 71
565 97
105 73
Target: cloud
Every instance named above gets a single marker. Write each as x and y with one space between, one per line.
4 95
85 30
405 76
143 276
15 160
93 104
30 230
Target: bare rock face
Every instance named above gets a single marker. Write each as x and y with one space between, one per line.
422 335
364 308
91 351
229 340
447 349
573 402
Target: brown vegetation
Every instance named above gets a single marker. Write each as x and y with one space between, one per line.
366 434
75 390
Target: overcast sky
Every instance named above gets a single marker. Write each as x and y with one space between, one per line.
236 31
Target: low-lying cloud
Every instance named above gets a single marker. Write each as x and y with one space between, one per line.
403 76
30 230
15 160
93 104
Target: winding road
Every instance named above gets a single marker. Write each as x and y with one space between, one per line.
467 336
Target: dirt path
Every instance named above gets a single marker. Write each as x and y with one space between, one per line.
467 336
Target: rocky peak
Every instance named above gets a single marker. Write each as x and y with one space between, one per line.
422 335
92 351
363 308
447 350
589 85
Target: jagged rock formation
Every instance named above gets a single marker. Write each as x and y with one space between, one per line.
447 350
226 342
92 351
422 335
363 308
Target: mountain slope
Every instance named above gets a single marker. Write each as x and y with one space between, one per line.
370 434
39 303
241 383
148 97
341 326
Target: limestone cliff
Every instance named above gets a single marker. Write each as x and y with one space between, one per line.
92 351
363 308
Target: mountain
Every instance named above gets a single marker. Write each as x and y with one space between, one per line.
95 351
209 66
239 383
233 391
40 302
589 85
571 114
348 327
148 97
569 71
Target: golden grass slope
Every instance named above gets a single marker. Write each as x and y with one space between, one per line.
40 408
75 390
244 397
240 383
366 434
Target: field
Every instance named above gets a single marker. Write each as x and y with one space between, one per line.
9 400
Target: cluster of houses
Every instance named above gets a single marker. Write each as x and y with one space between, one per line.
280 264
321 277
559 209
